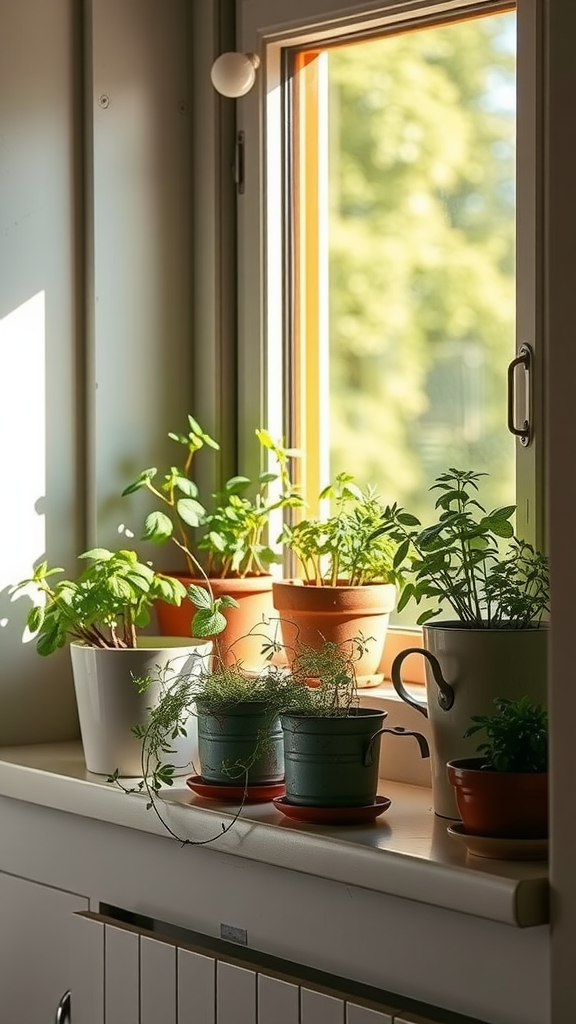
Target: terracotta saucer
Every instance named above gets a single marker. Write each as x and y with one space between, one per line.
226 792
500 848
333 815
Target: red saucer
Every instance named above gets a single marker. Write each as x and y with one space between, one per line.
225 791
333 815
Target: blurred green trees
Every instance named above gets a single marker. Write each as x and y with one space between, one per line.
421 259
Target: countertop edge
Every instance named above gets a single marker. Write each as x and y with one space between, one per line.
517 902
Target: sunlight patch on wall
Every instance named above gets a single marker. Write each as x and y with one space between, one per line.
22 439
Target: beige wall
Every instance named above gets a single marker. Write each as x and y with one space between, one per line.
95 295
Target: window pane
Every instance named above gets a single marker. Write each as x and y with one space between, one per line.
420 257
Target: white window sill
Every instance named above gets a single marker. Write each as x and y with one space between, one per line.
406 853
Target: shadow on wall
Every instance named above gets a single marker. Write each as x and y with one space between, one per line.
37 702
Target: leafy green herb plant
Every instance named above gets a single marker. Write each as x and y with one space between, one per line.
516 736
343 549
104 606
459 559
232 534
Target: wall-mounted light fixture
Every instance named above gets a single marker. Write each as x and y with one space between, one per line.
234 74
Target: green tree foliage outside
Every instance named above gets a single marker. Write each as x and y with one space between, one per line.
421 260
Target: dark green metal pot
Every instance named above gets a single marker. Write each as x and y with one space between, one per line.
242 736
332 762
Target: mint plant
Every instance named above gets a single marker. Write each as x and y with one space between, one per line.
459 559
104 607
339 550
233 533
516 736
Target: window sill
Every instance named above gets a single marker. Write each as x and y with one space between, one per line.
407 853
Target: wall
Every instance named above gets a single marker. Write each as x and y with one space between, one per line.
95 296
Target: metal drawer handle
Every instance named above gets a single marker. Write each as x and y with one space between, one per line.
525 358
63 1010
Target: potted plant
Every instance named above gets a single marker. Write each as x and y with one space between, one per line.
240 742
348 584
497 588
101 614
326 751
226 544
331 744
504 791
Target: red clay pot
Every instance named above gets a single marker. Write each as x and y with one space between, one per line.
311 614
512 805
254 596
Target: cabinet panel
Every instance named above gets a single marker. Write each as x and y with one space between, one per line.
122 976
318 1008
87 970
35 946
363 1015
157 982
278 1001
405 1017
196 988
235 995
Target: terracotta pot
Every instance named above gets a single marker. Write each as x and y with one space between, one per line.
254 596
311 614
500 804
465 670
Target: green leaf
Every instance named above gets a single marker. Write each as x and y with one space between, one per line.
501 527
405 596
430 614
190 511
186 487
120 588
97 554
35 618
407 520
400 554
199 596
50 640
170 590
141 481
208 623
237 484
157 527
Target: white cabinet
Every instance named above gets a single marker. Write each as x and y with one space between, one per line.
34 949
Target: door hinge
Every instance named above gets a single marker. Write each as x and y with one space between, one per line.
239 163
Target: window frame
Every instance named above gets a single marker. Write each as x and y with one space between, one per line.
264 253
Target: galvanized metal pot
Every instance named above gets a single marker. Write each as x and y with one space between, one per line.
241 739
333 762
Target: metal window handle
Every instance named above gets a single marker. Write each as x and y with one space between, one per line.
524 358
63 1010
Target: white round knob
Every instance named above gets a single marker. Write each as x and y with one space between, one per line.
234 74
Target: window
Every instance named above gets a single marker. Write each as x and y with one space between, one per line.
390 229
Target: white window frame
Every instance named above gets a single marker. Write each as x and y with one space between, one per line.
267 27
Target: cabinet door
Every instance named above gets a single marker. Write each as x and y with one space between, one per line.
35 944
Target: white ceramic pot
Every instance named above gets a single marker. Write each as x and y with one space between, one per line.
109 704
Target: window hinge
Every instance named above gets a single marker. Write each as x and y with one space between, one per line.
239 163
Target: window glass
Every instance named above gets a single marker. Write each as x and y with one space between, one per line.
405 208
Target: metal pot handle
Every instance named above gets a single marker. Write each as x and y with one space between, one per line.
398 731
445 691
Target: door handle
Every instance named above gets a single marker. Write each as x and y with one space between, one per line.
63 1010
524 358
